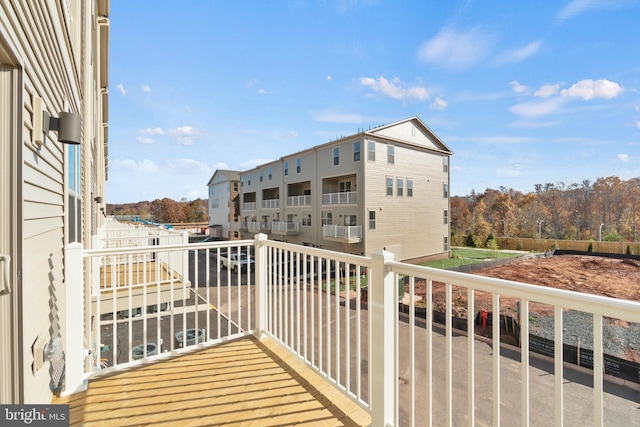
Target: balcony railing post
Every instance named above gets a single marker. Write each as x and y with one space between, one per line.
261 283
73 321
383 320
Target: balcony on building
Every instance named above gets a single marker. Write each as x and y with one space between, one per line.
305 335
271 198
258 226
340 190
285 228
342 233
299 194
249 201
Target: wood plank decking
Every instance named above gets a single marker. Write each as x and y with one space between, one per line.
242 382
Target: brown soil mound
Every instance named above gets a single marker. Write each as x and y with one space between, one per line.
615 278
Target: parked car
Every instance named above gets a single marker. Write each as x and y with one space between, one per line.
233 260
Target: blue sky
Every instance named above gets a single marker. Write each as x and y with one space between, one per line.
523 92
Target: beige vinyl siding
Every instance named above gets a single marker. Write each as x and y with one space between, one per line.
413 223
41 34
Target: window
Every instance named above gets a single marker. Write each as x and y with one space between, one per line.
306 218
446 243
242 181
372 151
261 175
446 216
286 168
391 153
326 217
445 190
270 174
372 220
349 220
400 186
445 164
389 186
336 156
235 186
356 151
249 180
298 166
409 187
344 186
74 214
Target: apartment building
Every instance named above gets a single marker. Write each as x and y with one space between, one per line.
224 203
53 157
384 188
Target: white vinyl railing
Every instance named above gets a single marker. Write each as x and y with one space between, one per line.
342 198
249 206
304 200
346 232
339 313
285 227
271 203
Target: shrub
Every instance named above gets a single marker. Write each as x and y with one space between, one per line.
590 248
489 238
471 242
519 245
492 244
628 250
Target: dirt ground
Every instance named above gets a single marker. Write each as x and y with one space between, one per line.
609 277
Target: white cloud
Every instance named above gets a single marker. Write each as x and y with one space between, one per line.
456 50
251 83
638 124
144 140
395 88
262 91
537 108
546 91
120 86
250 164
149 131
329 78
145 88
518 88
187 167
576 7
128 165
221 166
519 55
439 104
185 135
623 157
510 171
591 89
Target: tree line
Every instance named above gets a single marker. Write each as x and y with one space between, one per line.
607 209
164 210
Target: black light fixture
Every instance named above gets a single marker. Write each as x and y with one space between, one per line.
68 126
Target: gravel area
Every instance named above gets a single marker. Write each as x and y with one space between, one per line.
621 339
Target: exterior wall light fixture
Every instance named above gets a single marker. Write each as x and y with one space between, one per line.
68 126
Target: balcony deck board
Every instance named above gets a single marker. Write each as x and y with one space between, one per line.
242 382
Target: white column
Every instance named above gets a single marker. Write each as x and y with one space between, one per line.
383 320
74 321
261 283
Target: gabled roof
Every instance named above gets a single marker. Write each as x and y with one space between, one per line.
411 131
221 175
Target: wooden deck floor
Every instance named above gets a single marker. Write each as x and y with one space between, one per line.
243 382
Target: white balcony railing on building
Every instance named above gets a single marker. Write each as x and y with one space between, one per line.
249 206
343 198
271 204
342 232
285 227
393 368
304 200
257 227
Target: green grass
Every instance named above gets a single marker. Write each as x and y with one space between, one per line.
463 256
